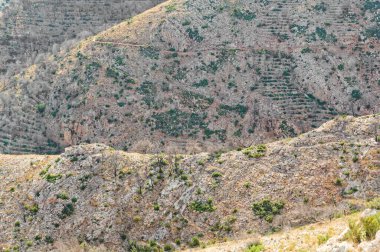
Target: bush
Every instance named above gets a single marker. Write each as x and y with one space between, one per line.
255 152
356 94
267 209
67 210
202 206
363 230
156 207
41 107
51 178
339 182
216 174
62 196
244 15
374 203
33 209
254 247
194 242
194 34
49 239
306 50
168 247
202 83
323 239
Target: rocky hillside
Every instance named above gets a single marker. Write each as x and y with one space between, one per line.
95 195
200 75
31 29
325 236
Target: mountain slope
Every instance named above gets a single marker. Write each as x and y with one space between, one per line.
109 198
201 75
30 29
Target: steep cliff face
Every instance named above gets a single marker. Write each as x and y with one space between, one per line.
30 29
196 75
109 198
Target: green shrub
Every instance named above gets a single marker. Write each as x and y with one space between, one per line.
239 109
168 247
339 182
267 209
62 196
350 191
156 207
254 247
255 151
306 50
33 209
363 230
67 210
41 107
356 94
150 52
322 238
371 5
374 203
202 206
184 177
341 67
202 83
51 178
194 34
49 239
170 8
246 15
194 242
322 7
216 174
201 162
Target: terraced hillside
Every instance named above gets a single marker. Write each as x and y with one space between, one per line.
96 196
30 29
197 75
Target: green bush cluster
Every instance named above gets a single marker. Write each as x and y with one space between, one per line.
202 206
267 209
246 15
255 151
